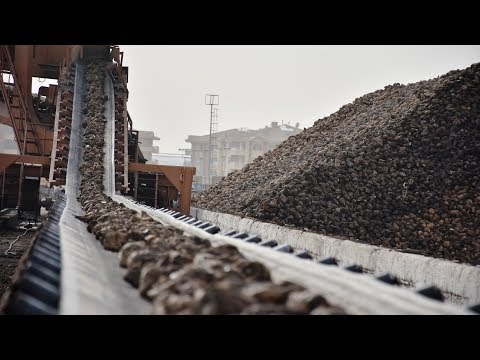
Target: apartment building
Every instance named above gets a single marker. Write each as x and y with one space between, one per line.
234 148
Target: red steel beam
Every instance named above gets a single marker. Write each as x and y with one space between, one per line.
8 159
173 173
180 176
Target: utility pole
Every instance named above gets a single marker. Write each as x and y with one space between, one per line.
213 140
211 100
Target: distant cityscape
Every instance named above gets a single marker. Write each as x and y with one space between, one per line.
232 149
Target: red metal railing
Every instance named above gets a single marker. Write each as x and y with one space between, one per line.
17 108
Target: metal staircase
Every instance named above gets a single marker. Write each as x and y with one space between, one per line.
17 108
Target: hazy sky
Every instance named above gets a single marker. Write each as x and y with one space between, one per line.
260 84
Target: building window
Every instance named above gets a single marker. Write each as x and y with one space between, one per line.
257 147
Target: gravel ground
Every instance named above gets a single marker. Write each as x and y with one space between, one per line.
9 263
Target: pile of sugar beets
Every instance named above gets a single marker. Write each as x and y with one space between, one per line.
399 168
180 274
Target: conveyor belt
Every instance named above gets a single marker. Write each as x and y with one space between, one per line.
459 283
92 281
357 293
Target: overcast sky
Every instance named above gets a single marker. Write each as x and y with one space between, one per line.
260 84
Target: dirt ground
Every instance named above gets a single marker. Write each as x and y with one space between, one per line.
9 263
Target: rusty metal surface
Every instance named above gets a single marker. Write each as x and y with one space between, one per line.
180 177
55 134
158 168
8 159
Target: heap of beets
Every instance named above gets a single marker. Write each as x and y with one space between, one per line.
399 168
